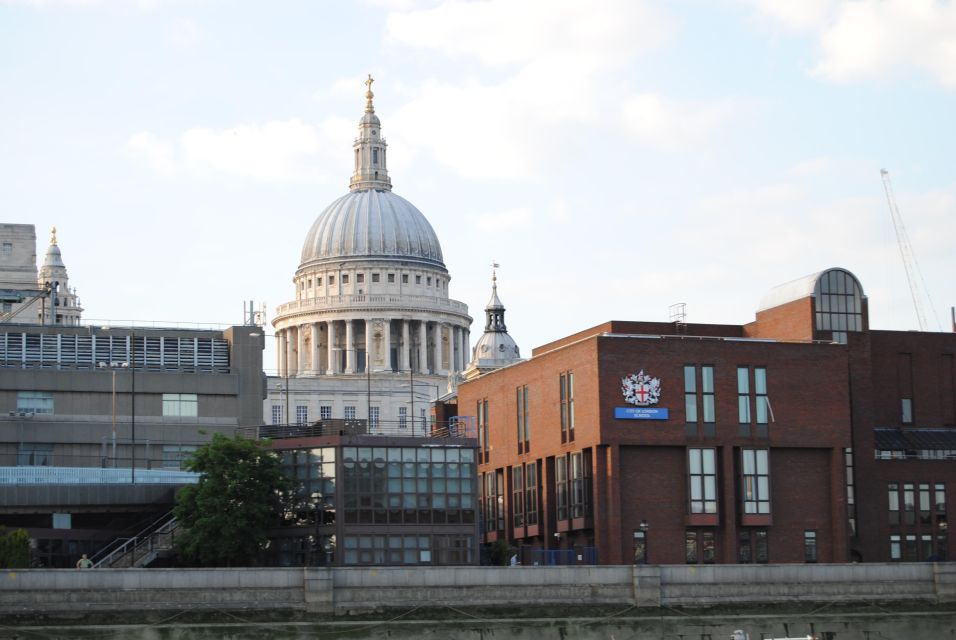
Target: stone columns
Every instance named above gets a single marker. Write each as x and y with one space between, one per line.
315 349
292 357
300 348
349 347
368 345
387 344
281 353
422 347
439 348
405 351
331 348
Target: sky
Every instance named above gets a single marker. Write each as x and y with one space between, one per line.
613 156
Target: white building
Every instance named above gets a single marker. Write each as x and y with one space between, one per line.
26 295
371 332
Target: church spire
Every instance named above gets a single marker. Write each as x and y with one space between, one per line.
494 310
370 170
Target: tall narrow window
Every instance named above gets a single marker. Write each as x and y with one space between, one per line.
561 486
755 483
531 492
521 403
566 392
301 415
517 496
580 485
905 376
702 472
690 401
850 491
810 546
350 412
924 510
707 396
893 502
909 503
909 548
325 412
277 414
743 400
895 547
483 446
402 417
761 400
373 414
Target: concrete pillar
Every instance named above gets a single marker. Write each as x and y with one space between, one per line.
331 347
647 585
349 347
369 359
405 351
292 361
281 353
315 349
422 347
300 348
387 344
317 590
439 348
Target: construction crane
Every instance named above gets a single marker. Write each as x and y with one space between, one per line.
913 274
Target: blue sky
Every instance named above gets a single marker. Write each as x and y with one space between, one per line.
614 156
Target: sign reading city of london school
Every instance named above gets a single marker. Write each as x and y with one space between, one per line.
642 390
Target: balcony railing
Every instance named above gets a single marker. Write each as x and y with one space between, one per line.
79 475
388 300
463 427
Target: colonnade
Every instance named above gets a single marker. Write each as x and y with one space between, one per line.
330 347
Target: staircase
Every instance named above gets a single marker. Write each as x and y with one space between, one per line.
141 549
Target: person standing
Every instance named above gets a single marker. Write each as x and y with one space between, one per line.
84 563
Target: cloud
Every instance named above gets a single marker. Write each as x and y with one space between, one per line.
671 125
871 39
184 33
502 221
520 31
274 151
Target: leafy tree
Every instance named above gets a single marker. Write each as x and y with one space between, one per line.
226 516
14 549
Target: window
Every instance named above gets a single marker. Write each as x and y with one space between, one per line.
350 412
561 486
700 546
850 491
909 504
893 502
517 496
521 401
906 410
374 155
752 546
838 304
391 277
309 283
755 483
402 417
531 493
62 521
421 417
493 493
761 400
701 464
905 381
301 415
895 547
34 402
429 281
707 404
404 278
360 278
418 279
924 510
345 278
181 405
174 455
325 412
810 546
318 282
483 445
375 277
580 485
30 454
277 414
566 382
909 548
331 280
373 413
743 399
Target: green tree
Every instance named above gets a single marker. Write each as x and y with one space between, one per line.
226 516
14 549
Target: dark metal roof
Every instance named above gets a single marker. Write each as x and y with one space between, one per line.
906 439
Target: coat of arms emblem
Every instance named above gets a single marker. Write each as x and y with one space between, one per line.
641 389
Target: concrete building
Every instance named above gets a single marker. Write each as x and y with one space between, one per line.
803 436
95 422
371 332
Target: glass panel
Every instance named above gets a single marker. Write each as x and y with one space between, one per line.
690 379
707 379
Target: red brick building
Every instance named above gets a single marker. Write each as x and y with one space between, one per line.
767 442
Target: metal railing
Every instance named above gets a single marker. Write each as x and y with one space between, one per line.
79 475
464 427
142 548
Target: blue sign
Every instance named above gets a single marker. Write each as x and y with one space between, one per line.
640 413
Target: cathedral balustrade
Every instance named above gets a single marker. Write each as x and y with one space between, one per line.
351 302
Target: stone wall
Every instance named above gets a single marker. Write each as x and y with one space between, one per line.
357 590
